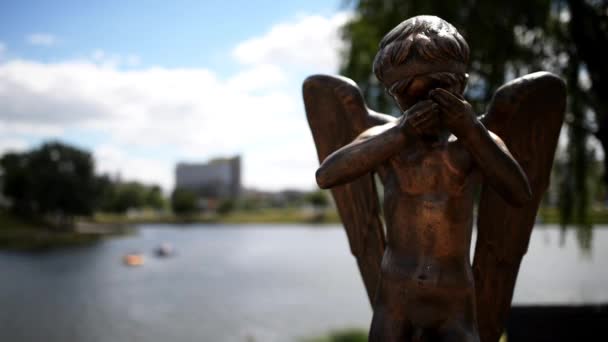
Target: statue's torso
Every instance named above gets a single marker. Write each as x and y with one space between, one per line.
428 207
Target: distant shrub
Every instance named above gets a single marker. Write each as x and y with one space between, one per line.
346 335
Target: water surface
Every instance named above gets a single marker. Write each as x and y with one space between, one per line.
237 283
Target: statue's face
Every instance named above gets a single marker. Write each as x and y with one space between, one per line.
417 90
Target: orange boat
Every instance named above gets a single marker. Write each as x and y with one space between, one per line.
133 259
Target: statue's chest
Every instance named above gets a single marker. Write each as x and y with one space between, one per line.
422 171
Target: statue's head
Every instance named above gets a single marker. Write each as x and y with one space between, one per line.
420 54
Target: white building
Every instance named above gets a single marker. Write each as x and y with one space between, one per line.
218 179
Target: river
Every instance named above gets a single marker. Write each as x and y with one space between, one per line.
238 283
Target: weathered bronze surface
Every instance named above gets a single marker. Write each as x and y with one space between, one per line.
419 277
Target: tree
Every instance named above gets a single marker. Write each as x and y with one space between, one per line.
154 198
586 40
118 197
55 181
129 195
509 39
318 199
226 207
184 202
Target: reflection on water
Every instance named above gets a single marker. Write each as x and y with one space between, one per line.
584 235
556 270
232 283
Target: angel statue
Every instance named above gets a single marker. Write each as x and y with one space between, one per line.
419 277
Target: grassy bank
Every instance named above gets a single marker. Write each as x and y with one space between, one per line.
347 335
271 215
286 215
355 335
552 215
17 234
31 235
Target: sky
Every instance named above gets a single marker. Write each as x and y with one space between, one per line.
146 84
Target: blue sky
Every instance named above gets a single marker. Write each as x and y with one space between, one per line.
165 33
144 84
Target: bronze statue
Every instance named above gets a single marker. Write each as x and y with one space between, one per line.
420 280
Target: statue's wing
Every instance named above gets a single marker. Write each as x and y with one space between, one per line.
527 113
337 114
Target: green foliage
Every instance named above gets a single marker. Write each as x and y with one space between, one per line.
23 234
118 197
56 182
184 202
226 207
53 180
489 28
318 199
347 335
154 198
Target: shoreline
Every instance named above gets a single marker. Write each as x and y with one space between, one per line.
23 235
17 234
262 216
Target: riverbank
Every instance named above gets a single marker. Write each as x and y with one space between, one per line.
347 335
30 235
23 235
551 215
18 234
270 215
286 215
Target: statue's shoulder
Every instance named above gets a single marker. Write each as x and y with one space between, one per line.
378 119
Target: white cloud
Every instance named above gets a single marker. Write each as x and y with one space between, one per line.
114 60
182 113
12 145
29 129
41 39
262 77
311 41
113 160
190 111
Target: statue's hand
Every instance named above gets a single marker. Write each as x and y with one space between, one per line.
422 118
456 113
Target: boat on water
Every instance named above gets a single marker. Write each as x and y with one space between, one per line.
133 259
165 250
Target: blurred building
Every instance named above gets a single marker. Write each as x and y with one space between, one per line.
220 178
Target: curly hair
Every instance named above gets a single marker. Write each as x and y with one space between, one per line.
424 38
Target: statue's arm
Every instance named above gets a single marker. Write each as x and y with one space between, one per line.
498 167
500 170
375 145
363 155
